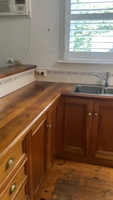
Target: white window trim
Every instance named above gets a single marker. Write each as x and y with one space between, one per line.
95 58
86 61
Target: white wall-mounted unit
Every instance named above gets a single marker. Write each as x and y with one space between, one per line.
15 8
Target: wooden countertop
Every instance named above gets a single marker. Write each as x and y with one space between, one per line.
14 69
20 109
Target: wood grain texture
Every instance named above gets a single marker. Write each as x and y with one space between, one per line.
19 179
72 180
17 155
52 131
20 110
37 149
102 130
14 69
38 156
21 194
77 124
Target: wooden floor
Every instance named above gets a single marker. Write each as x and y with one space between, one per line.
78 181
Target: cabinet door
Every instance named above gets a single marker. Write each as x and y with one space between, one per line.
52 122
102 130
77 125
37 154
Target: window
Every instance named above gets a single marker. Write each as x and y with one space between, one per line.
4 6
88 29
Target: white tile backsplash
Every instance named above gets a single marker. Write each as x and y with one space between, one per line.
73 76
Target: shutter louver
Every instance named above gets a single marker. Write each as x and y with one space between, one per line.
4 6
90 26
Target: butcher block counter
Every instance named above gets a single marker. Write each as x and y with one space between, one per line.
20 109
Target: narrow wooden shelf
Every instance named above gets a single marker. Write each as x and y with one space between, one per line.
14 69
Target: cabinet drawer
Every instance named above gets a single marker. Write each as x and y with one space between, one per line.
22 194
14 185
10 160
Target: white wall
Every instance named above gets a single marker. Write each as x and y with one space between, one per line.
44 44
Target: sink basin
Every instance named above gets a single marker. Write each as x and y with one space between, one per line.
108 91
87 89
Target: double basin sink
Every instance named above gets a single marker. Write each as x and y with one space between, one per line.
92 89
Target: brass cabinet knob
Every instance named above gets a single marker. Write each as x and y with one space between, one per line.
89 114
9 163
48 126
95 114
12 189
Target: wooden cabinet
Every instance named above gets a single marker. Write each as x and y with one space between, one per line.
87 130
77 128
41 144
13 175
22 194
10 160
52 122
37 145
77 125
102 130
14 185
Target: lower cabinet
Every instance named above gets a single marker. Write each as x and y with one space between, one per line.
102 130
13 176
37 154
87 130
41 148
14 186
22 194
76 128
52 115
77 125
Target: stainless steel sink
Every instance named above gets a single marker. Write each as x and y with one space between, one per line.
108 91
87 89
92 89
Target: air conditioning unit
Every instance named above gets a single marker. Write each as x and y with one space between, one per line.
15 8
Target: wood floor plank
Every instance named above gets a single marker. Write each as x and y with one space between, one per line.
78 181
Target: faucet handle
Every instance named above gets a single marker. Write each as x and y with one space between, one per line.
105 73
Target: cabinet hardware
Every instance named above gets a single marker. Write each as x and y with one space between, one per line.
89 114
48 126
95 114
9 163
12 189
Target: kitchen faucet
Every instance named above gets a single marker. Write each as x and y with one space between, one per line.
106 77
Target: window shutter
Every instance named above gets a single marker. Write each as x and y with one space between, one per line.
4 6
89 27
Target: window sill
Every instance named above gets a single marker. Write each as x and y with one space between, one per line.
83 61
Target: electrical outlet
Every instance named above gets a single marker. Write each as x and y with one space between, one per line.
17 62
10 61
41 72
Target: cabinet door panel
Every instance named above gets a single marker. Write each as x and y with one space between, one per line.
38 158
102 130
77 124
53 116
37 154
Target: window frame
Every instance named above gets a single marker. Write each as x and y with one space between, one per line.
86 57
